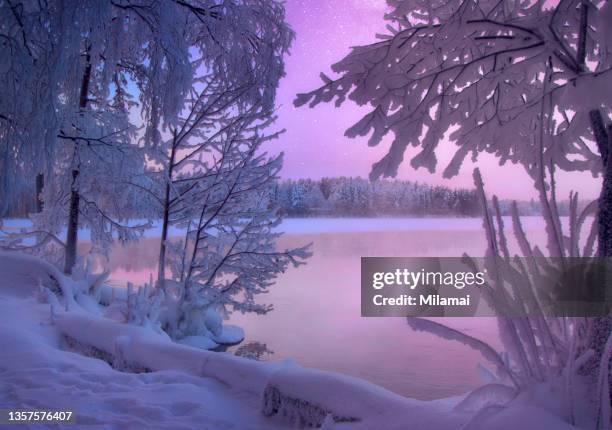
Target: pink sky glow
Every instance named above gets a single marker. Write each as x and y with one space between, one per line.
314 143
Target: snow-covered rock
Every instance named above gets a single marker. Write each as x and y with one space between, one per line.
22 275
202 342
229 335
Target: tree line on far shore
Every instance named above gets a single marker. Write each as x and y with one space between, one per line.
355 196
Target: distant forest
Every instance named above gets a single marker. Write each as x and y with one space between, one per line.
342 196
359 197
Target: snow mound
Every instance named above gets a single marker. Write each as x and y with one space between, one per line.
202 342
301 396
229 335
21 275
141 347
488 395
308 397
187 387
35 374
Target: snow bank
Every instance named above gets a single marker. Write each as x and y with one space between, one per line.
36 374
141 347
308 397
21 275
301 396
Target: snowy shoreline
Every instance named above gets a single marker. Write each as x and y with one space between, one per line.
181 386
334 225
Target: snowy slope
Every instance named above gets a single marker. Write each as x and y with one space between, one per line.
36 374
186 387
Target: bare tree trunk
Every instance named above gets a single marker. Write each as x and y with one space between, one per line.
4 179
73 226
603 138
40 184
161 268
72 236
602 326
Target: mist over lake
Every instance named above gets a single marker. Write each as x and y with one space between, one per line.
316 318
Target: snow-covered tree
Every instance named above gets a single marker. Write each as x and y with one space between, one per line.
215 112
219 190
526 81
68 63
208 174
327 187
70 121
107 161
298 198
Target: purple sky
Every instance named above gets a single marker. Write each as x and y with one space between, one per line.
314 143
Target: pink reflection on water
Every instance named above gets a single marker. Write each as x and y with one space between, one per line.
316 318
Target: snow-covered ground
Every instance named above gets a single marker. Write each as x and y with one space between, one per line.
37 373
47 361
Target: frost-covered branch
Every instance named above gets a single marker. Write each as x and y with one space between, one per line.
477 75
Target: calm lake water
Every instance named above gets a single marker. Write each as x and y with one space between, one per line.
316 318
